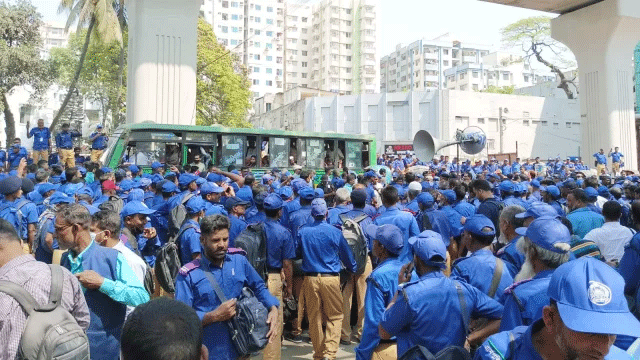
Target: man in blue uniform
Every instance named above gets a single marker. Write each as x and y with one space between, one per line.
302 216
586 311
616 157
415 315
98 143
446 199
342 199
212 193
139 237
481 269
435 219
16 154
551 195
413 190
232 273
601 162
189 235
582 218
64 143
546 247
280 252
41 141
382 285
489 205
323 247
509 222
236 208
402 219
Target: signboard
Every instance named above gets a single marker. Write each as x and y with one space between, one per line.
395 149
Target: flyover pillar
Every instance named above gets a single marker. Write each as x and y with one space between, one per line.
603 37
161 78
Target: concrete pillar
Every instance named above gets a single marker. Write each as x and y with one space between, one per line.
161 83
603 37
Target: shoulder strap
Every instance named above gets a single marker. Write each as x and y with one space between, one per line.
57 283
186 198
512 345
497 275
182 230
22 203
360 218
215 286
23 298
463 307
426 222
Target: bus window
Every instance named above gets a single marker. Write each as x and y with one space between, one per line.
300 156
264 152
314 153
173 154
143 153
199 156
279 152
365 154
251 159
293 151
231 151
332 154
340 154
354 155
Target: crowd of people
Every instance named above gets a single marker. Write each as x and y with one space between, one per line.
504 262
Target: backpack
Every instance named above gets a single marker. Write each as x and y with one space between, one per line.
253 240
352 232
249 326
426 222
177 216
13 214
168 262
46 216
51 332
419 352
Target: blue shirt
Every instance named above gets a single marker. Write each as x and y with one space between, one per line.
299 218
237 225
213 209
100 143
454 218
280 245
465 209
334 214
352 214
416 316
41 138
477 270
584 220
615 156
498 346
195 290
382 284
405 222
64 139
525 301
189 241
15 157
323 247
288 208
629 267
439 223
513 259
600 158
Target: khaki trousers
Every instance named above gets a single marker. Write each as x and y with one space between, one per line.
38 155
297 323
616 168
67 157
324 300
385 351
95 155
360 284
599 168
273 351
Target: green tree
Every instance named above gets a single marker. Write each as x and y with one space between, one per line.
101 20
222 84
499 90
533 35
20 60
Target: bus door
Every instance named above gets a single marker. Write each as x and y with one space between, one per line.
200 149
251 160
297 152
339 161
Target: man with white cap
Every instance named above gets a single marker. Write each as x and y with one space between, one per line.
382 285
413 191
415 315
587 310
546 245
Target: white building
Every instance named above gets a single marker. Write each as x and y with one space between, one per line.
330 45
421 65
533 126
53 35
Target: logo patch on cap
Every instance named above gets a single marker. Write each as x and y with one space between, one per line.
599 293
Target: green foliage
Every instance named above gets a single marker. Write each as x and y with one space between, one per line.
222 84
107 27
499 90
532 29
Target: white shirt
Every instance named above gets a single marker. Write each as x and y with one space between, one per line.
600 202
136 263
611 238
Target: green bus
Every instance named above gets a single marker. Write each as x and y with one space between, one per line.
260 150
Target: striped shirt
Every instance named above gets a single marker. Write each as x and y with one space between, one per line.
581 248
35 277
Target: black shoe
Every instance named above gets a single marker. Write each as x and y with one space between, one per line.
293 338
345 342
356 340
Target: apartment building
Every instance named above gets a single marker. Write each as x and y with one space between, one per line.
53 35
328 45
421 65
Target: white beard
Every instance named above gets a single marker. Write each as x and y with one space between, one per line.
526 272
502 239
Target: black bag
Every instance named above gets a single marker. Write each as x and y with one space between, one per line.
249 327
419 352
149 284
177 216
168 262
253 240
352 232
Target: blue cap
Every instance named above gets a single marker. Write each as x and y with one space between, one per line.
319 193
318 207
259 198
209 187
82 170
126 185
358 196
476 223
430 248
99 126
200 180
369 174
285 192
135 207
195 205
272 202
537 210
156 178
135 195
156 165
297 184
46 187
507 186
425 199
169 174
134 169
307 193
546 232
10 184
106 169
169 187
450 195
60 198
592 194
85 190
552 190
71 189
266 178
186 179
535 183
590 298
144 182
603 191
389 236
245 194
234 201
213 177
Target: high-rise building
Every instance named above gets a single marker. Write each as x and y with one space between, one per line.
53 35
328 45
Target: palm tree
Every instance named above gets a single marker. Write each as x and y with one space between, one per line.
102 22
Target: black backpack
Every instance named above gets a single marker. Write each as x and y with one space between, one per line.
426 222
352 232
168 262
419 352
253 240
177 216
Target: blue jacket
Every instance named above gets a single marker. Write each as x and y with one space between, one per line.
439 223
477 270
513 259
298 218
323 248
525 301
100 143
14 158
403 220
40 138
64 140
280 244
189 241
237 225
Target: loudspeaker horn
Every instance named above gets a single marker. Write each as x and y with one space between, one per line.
472 140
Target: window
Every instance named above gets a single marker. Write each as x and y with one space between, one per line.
256 44
225 16
525 122
544 123
480 120
268 106
304 30
234 29
491 144
505 76
258 7
304 19
568 125
257 32
234 42
269 83
347 46
257 19
269 70
462 119
269 58
269 45
234 17
475 74
269 9
445 63
256 69
225 4
348 58
445 51
304 42
475 87
256 57
256 82
526 78
234 4
304 64
269 21
225 29
304 75
461 76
